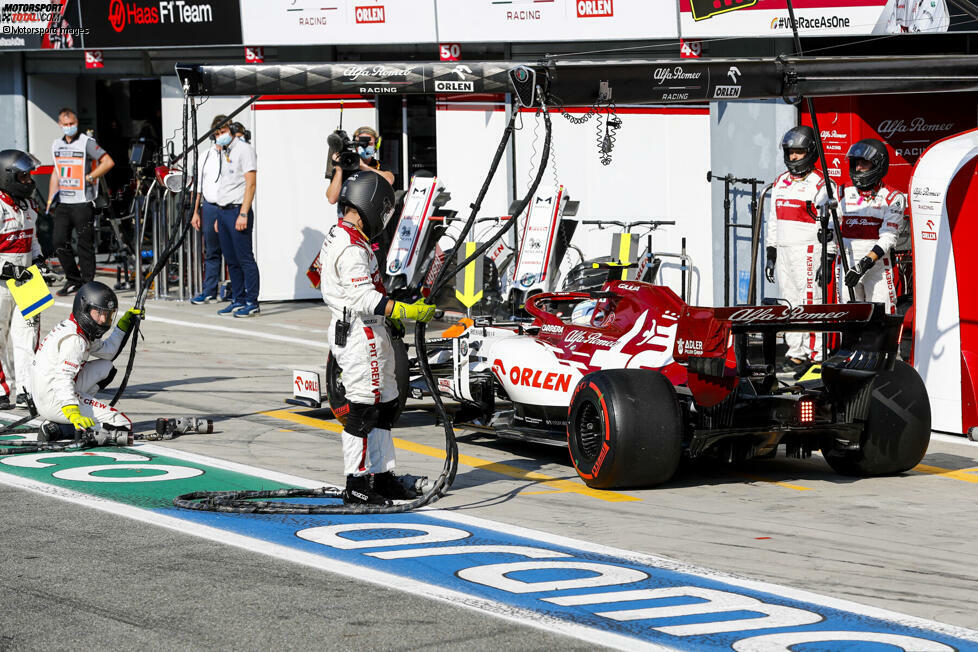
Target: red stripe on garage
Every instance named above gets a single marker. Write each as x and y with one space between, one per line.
279 98
312 105
465 106
657 110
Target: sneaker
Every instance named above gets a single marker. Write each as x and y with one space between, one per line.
21 400
5 403
203 297
69 288
231 307
249 310
359 492
792 365
389 486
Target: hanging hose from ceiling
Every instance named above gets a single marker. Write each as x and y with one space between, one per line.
256 501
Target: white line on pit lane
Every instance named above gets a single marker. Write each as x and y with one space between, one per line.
961 440
238 331
159 304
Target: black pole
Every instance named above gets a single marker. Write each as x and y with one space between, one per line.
825 168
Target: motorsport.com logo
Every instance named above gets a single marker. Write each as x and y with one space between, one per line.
819 22
30 12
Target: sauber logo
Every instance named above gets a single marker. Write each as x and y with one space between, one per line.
594 8
370 14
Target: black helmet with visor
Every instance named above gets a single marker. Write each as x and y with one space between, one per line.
15 173
94 309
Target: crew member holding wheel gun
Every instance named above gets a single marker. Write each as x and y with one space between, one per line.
360 341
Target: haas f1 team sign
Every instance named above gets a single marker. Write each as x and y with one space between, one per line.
143 23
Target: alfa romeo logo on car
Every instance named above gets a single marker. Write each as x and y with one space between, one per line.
395 265
528 279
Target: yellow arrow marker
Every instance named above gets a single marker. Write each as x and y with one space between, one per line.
561 486
468 295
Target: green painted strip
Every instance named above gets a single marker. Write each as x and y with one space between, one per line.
138 477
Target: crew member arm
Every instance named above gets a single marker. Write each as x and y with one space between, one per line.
53 185
353 271
387 174
335 184
893 223
107 348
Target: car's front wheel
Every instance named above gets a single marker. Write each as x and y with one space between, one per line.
624 429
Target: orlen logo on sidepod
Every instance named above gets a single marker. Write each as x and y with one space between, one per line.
370 14
594 8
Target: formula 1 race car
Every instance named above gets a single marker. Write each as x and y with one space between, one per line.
632 379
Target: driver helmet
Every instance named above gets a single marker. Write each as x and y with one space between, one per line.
15 173
372 197
94 296
583 312
800 137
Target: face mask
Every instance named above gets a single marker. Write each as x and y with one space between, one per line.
367 152
70 130
224 140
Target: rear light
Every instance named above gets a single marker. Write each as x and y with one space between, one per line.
806 410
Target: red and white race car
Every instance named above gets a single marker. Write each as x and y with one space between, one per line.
634 379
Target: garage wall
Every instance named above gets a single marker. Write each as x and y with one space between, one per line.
46 95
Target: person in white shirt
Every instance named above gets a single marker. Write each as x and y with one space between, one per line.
918 16
212 166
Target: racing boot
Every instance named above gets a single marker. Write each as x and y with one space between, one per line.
390 486
359 492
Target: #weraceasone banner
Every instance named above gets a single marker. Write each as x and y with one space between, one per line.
759 18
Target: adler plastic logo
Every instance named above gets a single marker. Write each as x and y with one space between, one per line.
594 8
370 15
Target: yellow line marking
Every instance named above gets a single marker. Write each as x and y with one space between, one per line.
786 485
966 475
560 486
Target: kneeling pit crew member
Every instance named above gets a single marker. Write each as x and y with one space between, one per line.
65 379
19 249
872 223
360 341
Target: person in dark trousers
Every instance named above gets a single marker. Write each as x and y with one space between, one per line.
235 221
206 212
78 164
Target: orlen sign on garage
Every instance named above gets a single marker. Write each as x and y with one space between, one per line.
160 23
908 124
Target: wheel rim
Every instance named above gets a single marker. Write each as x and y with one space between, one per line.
589 429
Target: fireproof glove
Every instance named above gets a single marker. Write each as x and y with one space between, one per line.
77 419
125 322
820 272
418 311
856 271
772 257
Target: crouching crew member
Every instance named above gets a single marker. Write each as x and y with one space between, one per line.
359 338
65 379
873 220
18 250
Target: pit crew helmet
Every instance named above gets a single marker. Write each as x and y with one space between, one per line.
873 151
372 197
94 296
800 137
15 173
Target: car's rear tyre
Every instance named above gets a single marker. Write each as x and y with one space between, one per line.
336 393
897 427
624 429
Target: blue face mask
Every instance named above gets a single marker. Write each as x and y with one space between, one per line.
224 140
367 152
70 130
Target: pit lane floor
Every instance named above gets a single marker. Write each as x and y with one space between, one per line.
904 543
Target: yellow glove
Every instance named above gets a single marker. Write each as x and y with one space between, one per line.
125 322
418 311
77 419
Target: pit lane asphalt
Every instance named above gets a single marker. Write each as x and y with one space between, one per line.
902 543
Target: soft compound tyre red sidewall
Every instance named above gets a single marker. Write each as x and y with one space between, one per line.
641 434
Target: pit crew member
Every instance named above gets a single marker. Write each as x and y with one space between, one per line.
359 338
872 222
66 379
19 249
792 236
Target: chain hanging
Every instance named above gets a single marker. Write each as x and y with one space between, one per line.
606 133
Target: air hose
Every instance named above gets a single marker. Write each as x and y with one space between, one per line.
256 502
